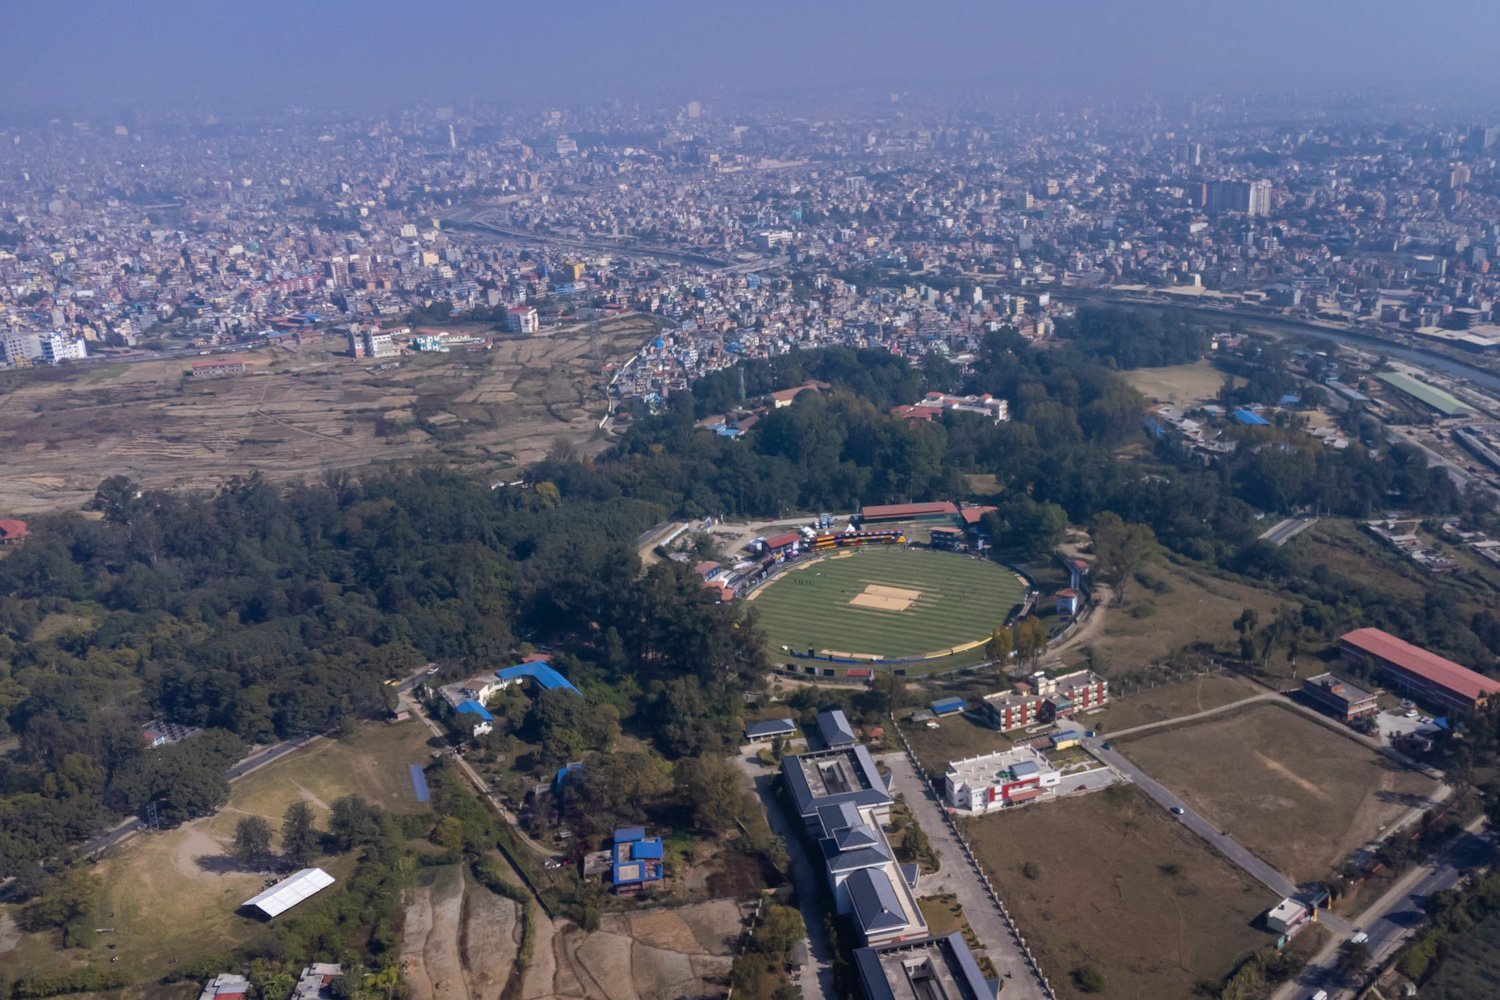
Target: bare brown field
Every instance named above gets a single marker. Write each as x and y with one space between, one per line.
1186 607
1123 888
1172 701
299 412
1294 792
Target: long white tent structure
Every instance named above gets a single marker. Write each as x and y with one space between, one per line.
290 891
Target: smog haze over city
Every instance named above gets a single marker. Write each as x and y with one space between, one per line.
824 500
98 54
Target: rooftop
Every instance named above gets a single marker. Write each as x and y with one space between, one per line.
290 891
834 728
540 671
936 968
830 777
1429 666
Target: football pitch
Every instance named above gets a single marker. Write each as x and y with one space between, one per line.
887 602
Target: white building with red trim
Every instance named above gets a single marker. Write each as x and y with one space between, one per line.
998 780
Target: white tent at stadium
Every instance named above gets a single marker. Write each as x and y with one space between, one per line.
290 891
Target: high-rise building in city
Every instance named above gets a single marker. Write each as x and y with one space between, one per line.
694 109
1249 197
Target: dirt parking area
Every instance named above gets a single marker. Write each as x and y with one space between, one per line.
1109 881
1299 795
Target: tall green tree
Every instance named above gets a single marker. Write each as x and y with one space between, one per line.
299 837
252 840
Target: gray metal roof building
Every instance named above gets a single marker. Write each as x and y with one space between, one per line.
833 777
834 729
941 967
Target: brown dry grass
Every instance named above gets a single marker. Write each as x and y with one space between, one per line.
1102 898
1172 701
1181 384
1294 792
297 413
1188 607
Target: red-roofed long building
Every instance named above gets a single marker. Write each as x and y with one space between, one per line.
1425 676
936 509
12 532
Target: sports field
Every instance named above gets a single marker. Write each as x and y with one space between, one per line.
886 602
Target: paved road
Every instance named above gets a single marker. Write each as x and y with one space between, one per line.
816 976
1284 531
1397 914
959 876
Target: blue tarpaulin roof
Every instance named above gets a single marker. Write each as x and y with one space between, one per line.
419 783
1251 419
947 706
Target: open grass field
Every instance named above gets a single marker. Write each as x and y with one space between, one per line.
887 601
1180 384
1177 606
1122 887
298 412
956 737
171 897
1172 701
1296 793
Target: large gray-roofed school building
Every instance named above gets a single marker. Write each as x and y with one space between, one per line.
833 777
936 968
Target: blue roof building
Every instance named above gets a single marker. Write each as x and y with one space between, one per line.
636 859
1251 419
537 670
469 706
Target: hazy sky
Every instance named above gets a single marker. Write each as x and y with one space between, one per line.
69 54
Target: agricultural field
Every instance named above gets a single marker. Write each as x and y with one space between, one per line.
1299 795
171 897
1183 385
1111 881
887 601
459 940
662 953
298 412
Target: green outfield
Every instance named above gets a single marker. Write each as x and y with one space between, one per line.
887 602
